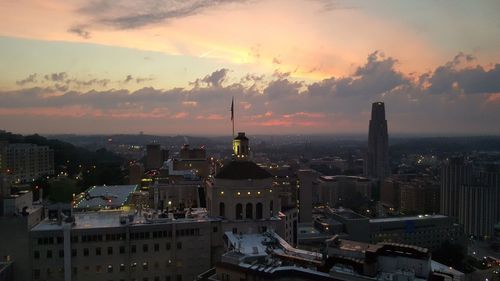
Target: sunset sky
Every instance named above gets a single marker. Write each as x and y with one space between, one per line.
293 66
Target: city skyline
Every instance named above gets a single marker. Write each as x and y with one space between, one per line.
169 67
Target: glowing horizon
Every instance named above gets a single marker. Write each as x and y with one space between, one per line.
306 66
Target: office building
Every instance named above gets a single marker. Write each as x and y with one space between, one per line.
377 158
153 156
340 190
478 211
455 172
428 231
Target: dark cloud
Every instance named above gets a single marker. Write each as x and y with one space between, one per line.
56 77
139 80
451 79
215 79
128 78
130 14
30 79
80 30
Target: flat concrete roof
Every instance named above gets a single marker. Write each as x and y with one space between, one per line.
407 218
105 196
111 218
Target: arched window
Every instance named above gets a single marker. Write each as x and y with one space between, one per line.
258 210
249 211
239 211
222 209
271 208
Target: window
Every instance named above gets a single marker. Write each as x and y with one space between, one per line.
86 252
258 210
73 252
179 245
167 278
98 251
145 248
61 253
239 211
110 250
36 274
235 230
167 246
122 249
222 209
49 254
144 266
122 267
215 229
179 277
133 249
36 255
157 247
75 270
249 211
98 269
271 208
110 268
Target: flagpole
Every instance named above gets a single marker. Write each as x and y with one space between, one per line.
232 114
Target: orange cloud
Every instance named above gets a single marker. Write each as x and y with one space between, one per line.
180 115
190 103
211 117
494 98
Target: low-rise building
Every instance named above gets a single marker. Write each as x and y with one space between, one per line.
268 257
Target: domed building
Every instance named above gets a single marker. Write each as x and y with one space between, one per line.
242 194
242 190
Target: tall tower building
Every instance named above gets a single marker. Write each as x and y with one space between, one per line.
455 172
153 156
377 158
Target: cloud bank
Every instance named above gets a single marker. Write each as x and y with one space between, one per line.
457 97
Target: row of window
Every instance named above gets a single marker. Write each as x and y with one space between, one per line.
50 273
120 236
109 250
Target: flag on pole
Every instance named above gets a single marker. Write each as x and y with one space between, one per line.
232 109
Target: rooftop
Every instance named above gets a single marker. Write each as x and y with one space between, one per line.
407 218
113 218
105 196
242 170
343 178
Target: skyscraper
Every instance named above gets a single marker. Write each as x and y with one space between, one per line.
455 172
377 158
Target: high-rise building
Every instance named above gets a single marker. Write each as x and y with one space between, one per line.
377 158
153 156
478 209
455 172
136 172
26 161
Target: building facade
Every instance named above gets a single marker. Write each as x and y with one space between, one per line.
23 162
